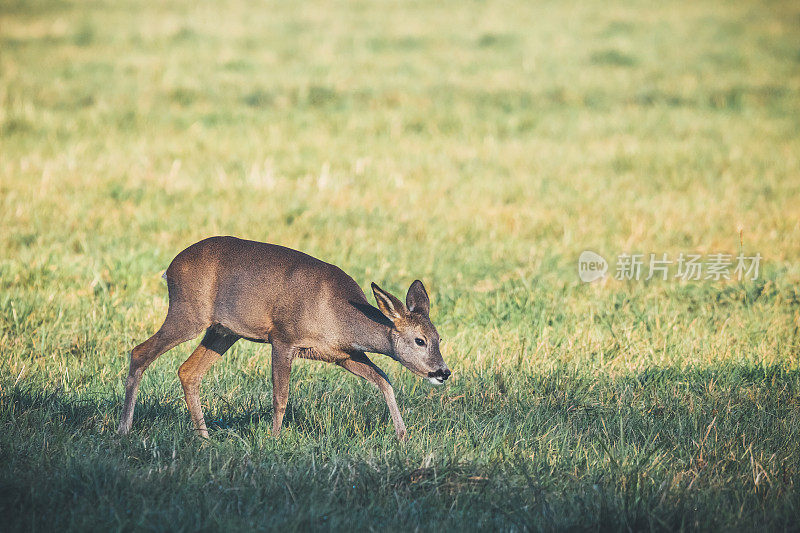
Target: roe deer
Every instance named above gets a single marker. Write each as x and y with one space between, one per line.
236 289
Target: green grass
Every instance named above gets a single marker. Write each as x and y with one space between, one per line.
478 146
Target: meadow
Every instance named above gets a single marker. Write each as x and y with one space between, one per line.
480 146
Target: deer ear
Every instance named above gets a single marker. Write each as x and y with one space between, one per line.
417 299
390 306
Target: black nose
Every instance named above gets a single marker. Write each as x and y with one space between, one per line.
441 373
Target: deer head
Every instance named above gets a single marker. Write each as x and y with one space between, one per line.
415 341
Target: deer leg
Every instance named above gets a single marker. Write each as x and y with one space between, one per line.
281 370
360 365
191 373
174 331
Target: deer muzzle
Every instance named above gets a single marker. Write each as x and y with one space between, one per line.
439 377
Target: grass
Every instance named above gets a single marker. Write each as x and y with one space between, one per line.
479 146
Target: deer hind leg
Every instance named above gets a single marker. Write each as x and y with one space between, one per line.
208 352
175 330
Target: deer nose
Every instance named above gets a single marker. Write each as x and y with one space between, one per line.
442 373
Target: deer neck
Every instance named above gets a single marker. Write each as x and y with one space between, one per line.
374 332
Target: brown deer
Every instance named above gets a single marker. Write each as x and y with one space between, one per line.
237 289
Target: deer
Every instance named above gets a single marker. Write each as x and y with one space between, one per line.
233 289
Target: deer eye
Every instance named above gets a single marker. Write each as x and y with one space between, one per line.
419 342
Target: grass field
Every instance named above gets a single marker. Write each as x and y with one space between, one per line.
478 146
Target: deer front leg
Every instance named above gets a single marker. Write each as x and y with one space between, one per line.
360 365
281 370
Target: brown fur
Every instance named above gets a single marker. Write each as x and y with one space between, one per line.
232 288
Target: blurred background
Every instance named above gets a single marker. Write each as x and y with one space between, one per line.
479 146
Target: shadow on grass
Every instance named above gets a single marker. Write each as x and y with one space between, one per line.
660 449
